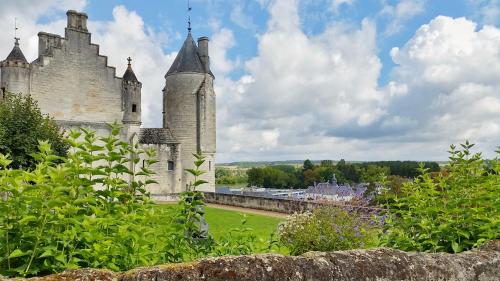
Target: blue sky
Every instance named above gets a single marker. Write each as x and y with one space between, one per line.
171 16
319 79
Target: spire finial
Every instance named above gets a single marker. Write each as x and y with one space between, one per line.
15 32
189 17
129 61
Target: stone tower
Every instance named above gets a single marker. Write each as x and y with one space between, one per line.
189 107
131 88
15 72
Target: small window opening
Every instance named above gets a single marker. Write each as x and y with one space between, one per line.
170 165
210 165
2 92
134 108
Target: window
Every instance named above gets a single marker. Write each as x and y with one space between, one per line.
170 165
210 165
2 92
134 108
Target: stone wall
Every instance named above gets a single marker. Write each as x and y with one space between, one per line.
287 206
378 264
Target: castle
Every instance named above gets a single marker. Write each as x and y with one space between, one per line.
74 84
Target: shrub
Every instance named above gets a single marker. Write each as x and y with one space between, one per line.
326 229
449 212
79 210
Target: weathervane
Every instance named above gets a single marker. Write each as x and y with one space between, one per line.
15 31
189 16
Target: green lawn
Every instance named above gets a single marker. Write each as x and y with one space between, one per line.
221 221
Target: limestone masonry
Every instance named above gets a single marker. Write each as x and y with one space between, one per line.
73 83
381 264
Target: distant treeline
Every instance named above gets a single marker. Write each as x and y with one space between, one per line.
288 176
407 169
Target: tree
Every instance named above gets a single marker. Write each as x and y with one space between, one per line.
373 174
326 163
311 176
308 165
22 126
255 177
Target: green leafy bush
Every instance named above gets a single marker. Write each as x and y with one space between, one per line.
452 212
80 210
326 229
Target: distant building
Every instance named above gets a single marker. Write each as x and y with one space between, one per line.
334 191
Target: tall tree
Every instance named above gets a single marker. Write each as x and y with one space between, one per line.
22 125
308 165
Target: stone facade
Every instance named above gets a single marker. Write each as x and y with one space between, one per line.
72 82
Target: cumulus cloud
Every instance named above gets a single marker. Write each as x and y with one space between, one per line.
487 11
302 88
240 17
318 96
400 13
449 71
126 35
28 14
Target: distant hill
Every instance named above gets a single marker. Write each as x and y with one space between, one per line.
251 164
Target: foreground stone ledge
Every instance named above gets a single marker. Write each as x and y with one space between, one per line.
378 264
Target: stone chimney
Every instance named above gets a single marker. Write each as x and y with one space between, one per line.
77 21
203 51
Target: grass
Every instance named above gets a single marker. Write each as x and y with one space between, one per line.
220 221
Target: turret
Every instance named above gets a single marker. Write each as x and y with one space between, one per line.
189 106
15 72
131 89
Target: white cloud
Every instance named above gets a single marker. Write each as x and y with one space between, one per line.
304 87
400 13
450 71
27 14
336 4
486 11
239 16
126 35
222 40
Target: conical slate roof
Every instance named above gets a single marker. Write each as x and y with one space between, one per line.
129 74
16 54
188 59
